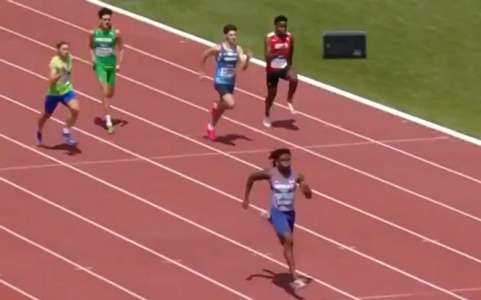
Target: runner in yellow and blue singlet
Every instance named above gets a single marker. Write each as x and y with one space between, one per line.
60 90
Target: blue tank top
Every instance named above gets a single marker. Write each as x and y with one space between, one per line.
283 190
226 66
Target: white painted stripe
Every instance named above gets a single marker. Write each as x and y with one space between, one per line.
235 199
114 233
18 290
70 262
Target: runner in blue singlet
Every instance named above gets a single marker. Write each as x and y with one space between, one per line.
283 181
228 54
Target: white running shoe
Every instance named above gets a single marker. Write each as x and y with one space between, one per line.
291 107
267 122
298 284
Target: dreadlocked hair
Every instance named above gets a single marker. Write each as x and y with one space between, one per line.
274 156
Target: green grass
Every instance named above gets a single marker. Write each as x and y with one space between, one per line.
424 56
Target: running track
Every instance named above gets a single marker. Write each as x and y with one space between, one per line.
153 211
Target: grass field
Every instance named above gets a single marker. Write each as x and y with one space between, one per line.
424 56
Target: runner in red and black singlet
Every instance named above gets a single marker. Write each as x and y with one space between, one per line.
279 51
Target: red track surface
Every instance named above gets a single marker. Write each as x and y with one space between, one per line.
152 212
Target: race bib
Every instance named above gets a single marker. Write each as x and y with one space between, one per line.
103 51
279 63
227 72
284 200
64 78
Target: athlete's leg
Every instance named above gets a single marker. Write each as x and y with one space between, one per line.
226 101
106 78
272 81
293 81
42 120
74 109
107 94
51 103
288 245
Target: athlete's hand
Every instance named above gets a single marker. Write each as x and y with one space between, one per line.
247 57
306 190
117 68
265 215
202 75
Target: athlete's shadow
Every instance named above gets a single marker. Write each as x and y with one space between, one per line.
70 150
287 124
117 122
282 280
229 139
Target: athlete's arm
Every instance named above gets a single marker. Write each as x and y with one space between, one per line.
120 48
262 175
55 75
244 58
291 54
91 46
305 189
208 53
267 50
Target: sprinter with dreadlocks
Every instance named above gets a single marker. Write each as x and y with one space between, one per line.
283 181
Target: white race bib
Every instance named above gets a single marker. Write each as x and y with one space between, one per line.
102 52
64 78
279 63
227 72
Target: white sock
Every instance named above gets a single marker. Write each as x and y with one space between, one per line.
210 127
108 120
65 130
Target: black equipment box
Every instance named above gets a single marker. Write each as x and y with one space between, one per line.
345 44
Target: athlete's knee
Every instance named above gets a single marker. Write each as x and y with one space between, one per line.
287 240
271 93
228 101
75 111
46 116
109 92
293 78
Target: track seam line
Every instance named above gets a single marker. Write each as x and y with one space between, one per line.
157 157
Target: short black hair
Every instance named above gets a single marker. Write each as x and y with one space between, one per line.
104 11
280 18
60 44
274 155
229 27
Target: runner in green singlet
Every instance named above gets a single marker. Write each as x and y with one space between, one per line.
105 43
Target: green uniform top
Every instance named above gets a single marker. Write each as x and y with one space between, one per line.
104 43
64 68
